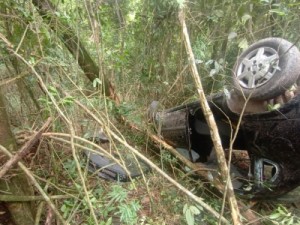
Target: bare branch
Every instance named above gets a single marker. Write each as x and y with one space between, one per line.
211 123
25 149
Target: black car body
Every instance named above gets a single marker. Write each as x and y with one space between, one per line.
271 139
265 73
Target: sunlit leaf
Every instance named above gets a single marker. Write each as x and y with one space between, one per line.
265 1
185 207
96 82
245 18
278 12
180 3
109 221
291 221
274 216
219 13
189 217
243 44
232 35
212 72
271 108
194 210
53 90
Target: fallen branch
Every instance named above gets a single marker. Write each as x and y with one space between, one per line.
16 198
212 125
25 149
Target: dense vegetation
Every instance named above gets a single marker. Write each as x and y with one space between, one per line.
100 63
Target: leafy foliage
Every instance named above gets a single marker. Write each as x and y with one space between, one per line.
190 212
128 212
283 216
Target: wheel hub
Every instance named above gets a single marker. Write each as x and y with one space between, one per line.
258 67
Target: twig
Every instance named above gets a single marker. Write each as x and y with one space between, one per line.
22 39
211 123
7 81
39 213
25 149
40 207
49 216
10 45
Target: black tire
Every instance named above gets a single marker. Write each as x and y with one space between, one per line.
266 69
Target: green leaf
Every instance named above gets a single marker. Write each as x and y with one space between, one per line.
31 61
52 90
278 12
185 207
245 18
209 62
291 221
276 106
243 44
63 208
231 35
219 13
194 210
265 1
275 216
200 207
69 100
282 210
96 82
271 108
180 3
189 217
109 221
212 72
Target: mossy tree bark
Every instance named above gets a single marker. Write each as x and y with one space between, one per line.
26 93
17 184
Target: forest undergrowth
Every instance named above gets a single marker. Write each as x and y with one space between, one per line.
94 67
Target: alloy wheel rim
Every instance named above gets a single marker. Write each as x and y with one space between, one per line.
258 67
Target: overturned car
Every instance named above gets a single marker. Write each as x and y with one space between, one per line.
265 99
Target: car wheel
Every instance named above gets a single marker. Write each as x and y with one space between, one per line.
267 69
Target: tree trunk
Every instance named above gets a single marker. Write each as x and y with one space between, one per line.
73 44
21 213
25 92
